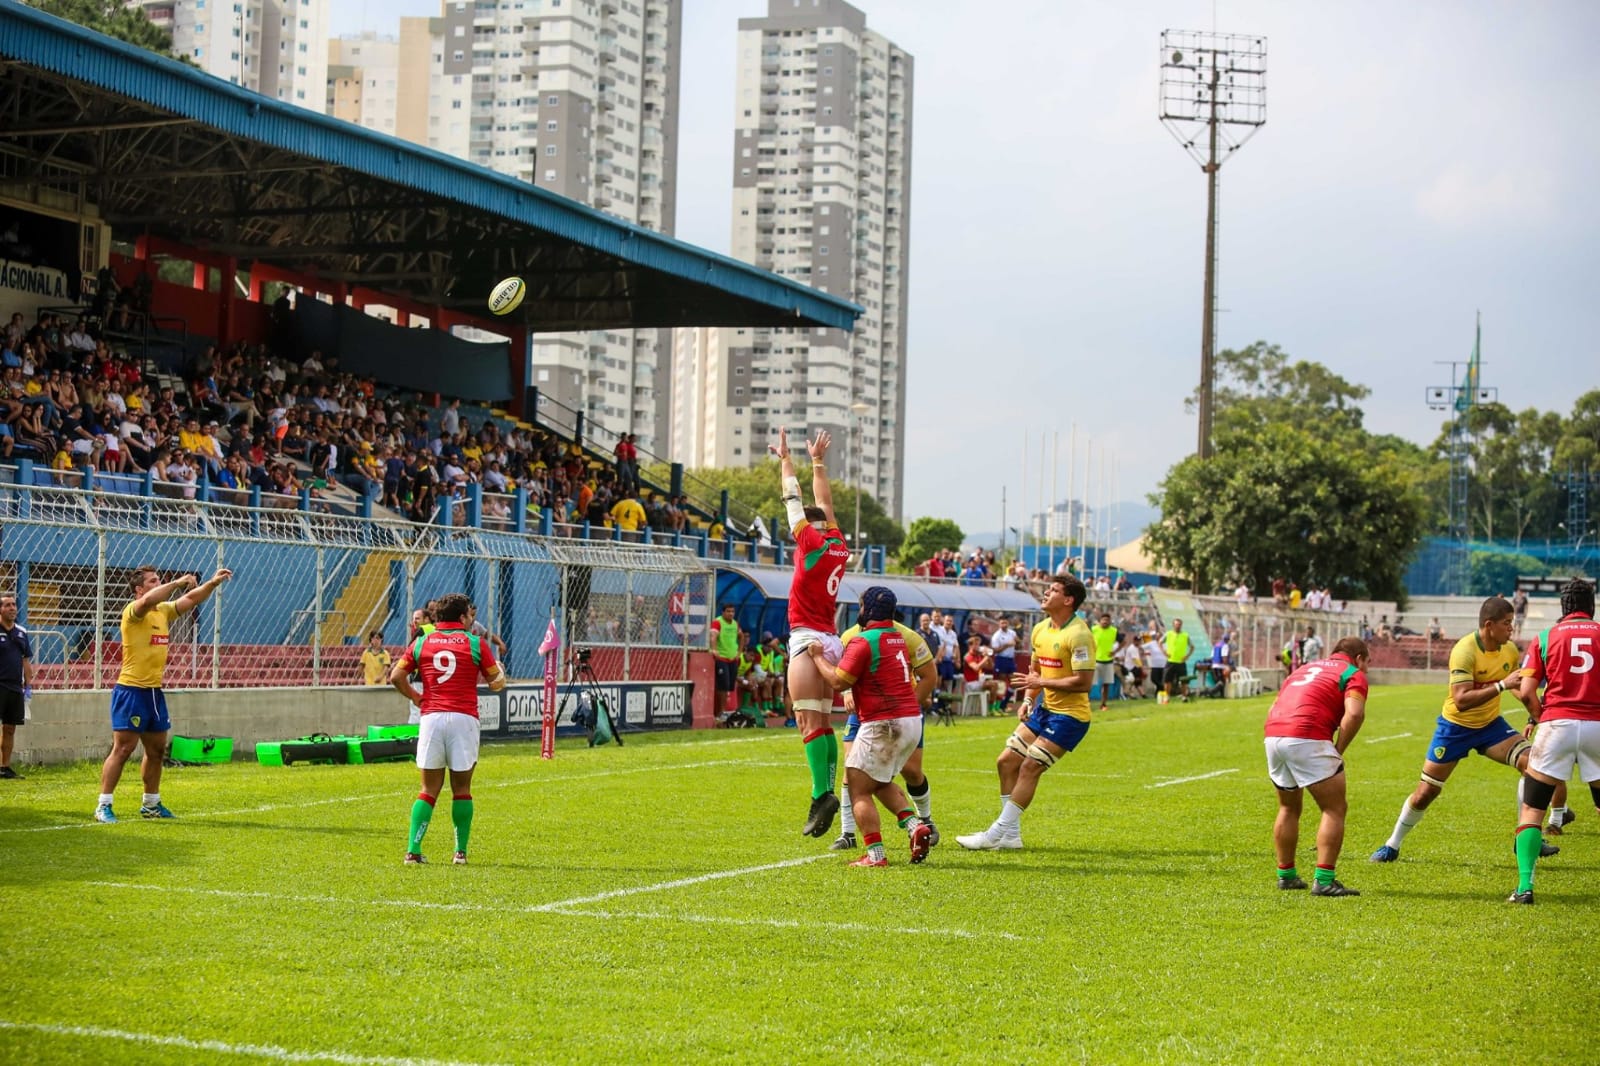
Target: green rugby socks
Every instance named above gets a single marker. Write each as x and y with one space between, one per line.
421 815
1529 840
461 815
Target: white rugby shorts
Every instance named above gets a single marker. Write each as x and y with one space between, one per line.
1295 762
1562 743
447 739
882 748
801 638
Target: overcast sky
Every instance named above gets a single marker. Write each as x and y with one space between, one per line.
1420 162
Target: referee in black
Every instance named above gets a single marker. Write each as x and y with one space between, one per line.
16 678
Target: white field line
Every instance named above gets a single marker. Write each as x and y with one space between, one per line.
681 882
789 923
390 794
941 771
259 1051
1380 740
1196 777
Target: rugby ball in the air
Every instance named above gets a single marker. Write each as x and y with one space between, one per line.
507 296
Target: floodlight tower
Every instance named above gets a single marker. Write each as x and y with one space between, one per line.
1465 392
1213 99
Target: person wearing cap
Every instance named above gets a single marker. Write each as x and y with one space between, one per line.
876 666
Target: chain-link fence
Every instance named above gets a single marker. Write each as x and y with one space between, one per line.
308 588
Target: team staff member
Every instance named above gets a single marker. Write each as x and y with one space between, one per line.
1003 641
1317 714
1568 717
877 666
1063 671
138 706
1483 664
1177 646
917 786
16 681
820 559
725 655
1105 654
450 659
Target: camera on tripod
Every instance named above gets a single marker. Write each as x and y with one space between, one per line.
581 655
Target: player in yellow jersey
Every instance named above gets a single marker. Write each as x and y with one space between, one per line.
138 707
1061 673
917 786
1483 664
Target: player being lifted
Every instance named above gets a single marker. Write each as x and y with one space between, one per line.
450 660
926 676
1482 666
876 665
1568 716
820 559
1062 672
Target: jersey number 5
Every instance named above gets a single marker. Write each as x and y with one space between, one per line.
1579 650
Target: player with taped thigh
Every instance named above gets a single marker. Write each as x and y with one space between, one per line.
1316 715
876 666
1483 664
1061 674
820 559
927 676
1568 717
450 660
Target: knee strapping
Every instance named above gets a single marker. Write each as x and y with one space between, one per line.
822 706
1536 793
1436 782
1015 743
1040 755
1518 750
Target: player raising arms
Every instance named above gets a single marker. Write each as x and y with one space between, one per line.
1563 657
450 660
1482 665
138 706
877 666
820 559
926 677
1062 671
1317 714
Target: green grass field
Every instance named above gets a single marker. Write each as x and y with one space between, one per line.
657 903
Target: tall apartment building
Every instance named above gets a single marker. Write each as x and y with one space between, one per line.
822 194
278 48
379 81
578 97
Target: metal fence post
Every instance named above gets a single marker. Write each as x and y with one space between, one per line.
316 622
627 627
100 609
216 626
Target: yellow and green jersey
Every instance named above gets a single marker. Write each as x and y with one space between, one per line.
1471 662
1060 651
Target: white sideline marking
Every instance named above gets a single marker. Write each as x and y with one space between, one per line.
1196 777
1380 740
789 923
260 1051
681 882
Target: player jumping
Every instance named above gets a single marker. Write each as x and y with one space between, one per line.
820 559
450 659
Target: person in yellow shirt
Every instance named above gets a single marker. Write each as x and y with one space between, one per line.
1483 664
375 660
628 514
138 706
1061 674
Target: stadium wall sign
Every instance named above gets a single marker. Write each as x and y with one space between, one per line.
634 705
25 287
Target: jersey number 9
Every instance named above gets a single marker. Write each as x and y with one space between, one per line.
444 663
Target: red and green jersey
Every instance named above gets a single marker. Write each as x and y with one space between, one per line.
878 664
1311 703
1567 658
820 560
450 660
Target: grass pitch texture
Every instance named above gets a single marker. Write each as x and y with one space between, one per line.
656 903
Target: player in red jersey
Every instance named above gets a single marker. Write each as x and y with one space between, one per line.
877 667
1315 717
820 559
1568 715
450 660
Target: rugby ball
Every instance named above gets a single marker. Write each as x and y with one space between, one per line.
507 296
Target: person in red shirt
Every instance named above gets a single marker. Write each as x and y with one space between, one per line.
1568 716
450 659
876 666
1317 714
820 559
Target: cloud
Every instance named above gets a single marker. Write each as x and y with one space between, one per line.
1459 198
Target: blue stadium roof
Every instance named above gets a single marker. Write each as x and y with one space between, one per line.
164 148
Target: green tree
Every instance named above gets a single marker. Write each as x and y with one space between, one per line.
1497 572
924 537
1275 500
114 18
1259 386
